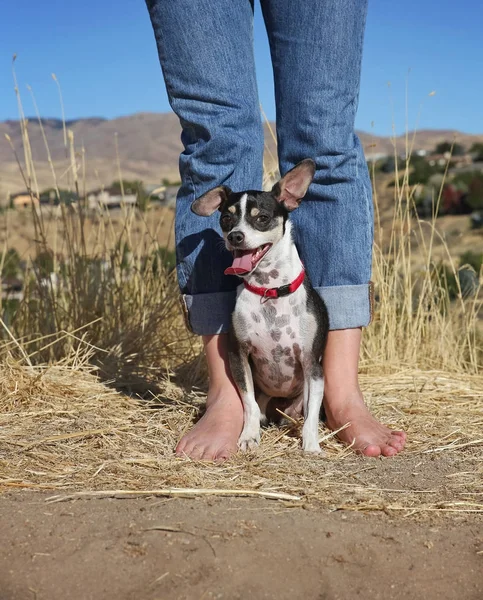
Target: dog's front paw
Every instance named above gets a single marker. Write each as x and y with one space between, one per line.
311 445
249 440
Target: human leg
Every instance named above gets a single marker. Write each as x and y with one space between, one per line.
344 403
316 49
206 53
216 434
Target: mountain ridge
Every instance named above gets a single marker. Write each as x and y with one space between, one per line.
147 144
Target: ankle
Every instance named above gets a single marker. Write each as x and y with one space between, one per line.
223 395
341 400
342 391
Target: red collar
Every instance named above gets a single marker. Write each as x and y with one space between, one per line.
277 292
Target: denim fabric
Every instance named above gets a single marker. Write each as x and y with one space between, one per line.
206 53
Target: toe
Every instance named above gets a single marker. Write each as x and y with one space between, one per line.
399 438
192 451
371 450
396 442
388 451
196 452
181 449
209 453
223 454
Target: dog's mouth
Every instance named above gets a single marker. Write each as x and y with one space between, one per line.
244 261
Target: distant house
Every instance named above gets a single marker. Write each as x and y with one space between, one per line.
108 198
24 201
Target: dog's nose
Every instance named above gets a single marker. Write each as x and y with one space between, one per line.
236 238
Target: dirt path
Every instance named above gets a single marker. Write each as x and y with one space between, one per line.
149 549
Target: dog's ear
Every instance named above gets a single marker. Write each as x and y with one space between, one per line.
207 204
293 186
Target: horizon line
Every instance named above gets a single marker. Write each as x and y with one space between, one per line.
170 113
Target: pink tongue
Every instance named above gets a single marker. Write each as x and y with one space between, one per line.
241 264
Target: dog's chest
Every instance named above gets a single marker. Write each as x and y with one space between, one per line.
277 334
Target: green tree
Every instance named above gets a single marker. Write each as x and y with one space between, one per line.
475 194
128 186
477 150
454 148
11 263
474 259
63 197
471 182
44 263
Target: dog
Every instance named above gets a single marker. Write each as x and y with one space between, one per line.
280 324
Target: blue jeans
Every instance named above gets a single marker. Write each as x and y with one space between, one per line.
206 54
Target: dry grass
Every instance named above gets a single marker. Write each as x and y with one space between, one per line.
62 428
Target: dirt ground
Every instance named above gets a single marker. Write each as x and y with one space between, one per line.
152 548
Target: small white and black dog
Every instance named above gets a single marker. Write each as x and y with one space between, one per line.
280 324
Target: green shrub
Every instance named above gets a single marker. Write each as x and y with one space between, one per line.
474 259
11 263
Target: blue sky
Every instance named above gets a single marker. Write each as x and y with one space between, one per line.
104 56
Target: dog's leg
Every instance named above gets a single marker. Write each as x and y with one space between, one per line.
313 394
242 374
262 401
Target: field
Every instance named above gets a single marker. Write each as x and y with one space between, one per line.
100 379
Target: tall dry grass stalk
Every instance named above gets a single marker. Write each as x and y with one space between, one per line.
416 322
108 294
95 287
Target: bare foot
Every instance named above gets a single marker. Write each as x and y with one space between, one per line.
215 436
369 437
343 401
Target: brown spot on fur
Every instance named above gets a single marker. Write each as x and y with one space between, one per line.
282 321
255 317
276 334
254 212
232 209
240 323
279 351
262 278
274 273
298 373
269 313
246 346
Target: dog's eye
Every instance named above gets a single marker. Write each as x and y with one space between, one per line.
263 219
225 221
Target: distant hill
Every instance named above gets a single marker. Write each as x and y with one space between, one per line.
149 146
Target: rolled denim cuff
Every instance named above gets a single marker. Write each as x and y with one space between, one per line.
209 314
349 306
